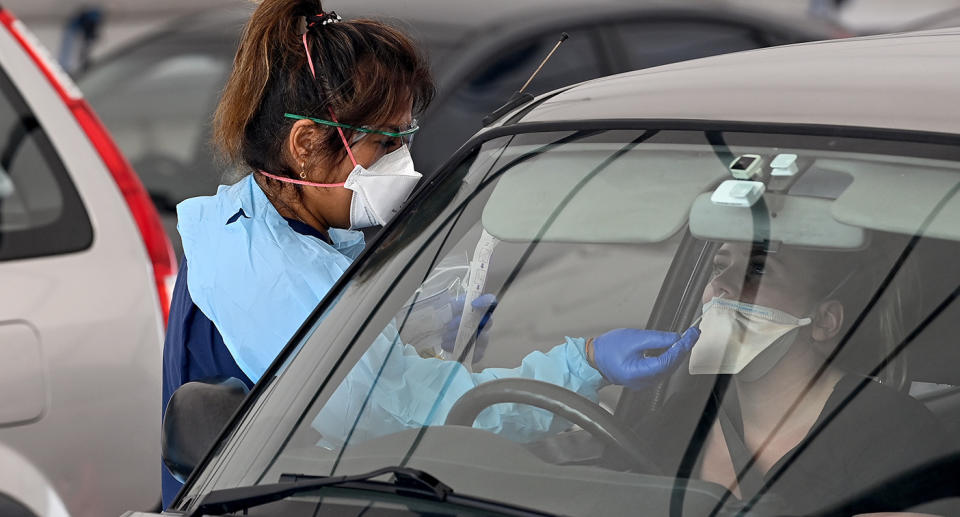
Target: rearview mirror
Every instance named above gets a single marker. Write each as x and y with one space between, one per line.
195 415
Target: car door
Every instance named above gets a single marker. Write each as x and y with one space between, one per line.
80 315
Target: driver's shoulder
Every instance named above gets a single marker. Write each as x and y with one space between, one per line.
879 413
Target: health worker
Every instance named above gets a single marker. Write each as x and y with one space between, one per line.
319 112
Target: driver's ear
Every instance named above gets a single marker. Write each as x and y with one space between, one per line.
827 320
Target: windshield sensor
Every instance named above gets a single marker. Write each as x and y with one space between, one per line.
406 482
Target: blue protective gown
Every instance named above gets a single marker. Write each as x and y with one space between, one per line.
194 350
226 320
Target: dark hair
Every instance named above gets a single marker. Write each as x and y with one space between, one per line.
366 72
853 278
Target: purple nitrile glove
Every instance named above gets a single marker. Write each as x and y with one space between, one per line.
484 302
620 354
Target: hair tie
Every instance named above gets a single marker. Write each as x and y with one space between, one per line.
323 18
331 17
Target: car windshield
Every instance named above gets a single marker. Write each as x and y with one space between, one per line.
819 270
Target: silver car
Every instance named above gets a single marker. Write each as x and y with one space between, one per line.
85 276
797 203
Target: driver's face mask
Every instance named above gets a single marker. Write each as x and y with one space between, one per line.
742 338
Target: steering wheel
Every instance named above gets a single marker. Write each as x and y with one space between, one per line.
559 401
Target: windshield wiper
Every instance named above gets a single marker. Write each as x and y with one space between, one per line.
407 482
219 502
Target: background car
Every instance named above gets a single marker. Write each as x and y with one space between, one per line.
601 206
865 17
945 19
86 272
157 95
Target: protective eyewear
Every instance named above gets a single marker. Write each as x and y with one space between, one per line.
405 134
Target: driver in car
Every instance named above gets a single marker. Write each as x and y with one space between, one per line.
793 421
772 320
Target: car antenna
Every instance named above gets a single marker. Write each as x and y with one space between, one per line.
521 96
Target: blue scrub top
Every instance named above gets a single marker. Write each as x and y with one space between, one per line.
194 350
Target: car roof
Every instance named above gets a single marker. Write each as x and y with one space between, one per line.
467 15
469 31
898 81
456 21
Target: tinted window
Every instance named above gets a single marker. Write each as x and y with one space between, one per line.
40 211
458 116
580 233
157 100
646 44
491 85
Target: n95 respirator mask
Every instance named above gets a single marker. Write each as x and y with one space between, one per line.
379 191
742 338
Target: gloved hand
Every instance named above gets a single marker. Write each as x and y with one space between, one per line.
485 303
620 354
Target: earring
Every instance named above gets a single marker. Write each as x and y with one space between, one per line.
303 170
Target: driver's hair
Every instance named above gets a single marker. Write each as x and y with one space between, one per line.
854 278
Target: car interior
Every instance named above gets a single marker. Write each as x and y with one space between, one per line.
827 203
579 242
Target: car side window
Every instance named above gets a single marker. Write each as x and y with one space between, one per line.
653 43
575 61
165 138
493 82
40 211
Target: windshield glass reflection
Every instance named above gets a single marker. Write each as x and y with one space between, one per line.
783 353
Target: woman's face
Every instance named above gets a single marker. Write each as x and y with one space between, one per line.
780 280
332 205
